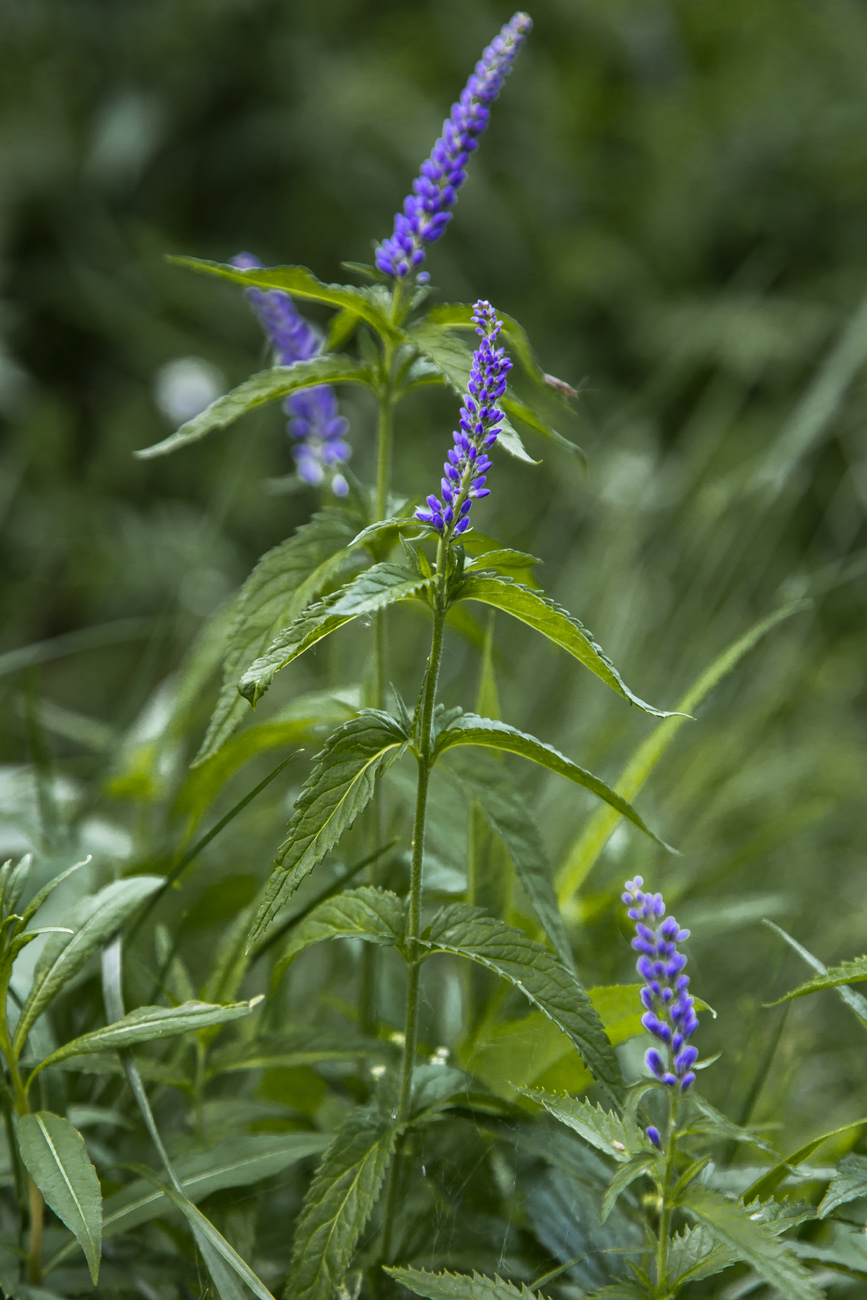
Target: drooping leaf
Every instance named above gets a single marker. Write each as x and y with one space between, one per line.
540 612
374 915
381 585
339 787
146 1024
459 1286
856 1002
588 845
469 729
283 583
541 977
369 303
459 315
509 816
601 1128
763 1188
635 1167
266 386
339 1203
713 1122
848 1184
94 920
57 1161
734 1227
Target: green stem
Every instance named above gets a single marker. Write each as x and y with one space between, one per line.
22 1107
666 1207
34 1249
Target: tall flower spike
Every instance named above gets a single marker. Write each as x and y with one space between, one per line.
319 431
480 423
669 1013
426 212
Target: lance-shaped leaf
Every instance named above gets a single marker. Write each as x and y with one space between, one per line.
57 1161
509 816
459 315
47 890
146 1024
763 1188
283 583
288 1051
370 303
635 1167
470 729
856 1002
541 977
540 612
603 1129
339 1203
375 915
339 787
381 585
734 1226
848 1184
459 1286
848 972
266 386
94 920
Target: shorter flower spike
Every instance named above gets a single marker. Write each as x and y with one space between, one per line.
315 424
465 470
669 1013
427 211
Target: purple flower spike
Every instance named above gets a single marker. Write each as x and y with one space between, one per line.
426 212
465 471
319 430
669 1013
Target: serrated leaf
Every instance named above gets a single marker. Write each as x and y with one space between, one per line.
57 1161
285 580
718 1125
591 841
339 1203
266 386
94 920
459 1286
848 1184
541 977
145 1025
459 315
375 915
469 729
540 612
635 1167
848 972
339 787
734 1227
509 816
383 584
694 1254
765 1186
368 303
601 1128
856 1002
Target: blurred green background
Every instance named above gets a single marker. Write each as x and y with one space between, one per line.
672 198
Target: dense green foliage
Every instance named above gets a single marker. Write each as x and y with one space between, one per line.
207 1077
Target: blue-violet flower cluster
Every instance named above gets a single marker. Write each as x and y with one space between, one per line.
315 424
480 423
669 1013
426 212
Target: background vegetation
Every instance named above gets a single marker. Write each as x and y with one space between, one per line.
672 199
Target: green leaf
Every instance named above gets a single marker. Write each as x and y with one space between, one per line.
694 1254
146 1024
57 1161
734 1227
47 890
636 1167
381 585
339 1203
856 1002
848 972
288 1051
765 1186
601 1128
459 315
469 729
591 841
623 1290
375 915
541 977
540 612
283 583
848 1184
453 360
94 920
371 304
266 386
339 787
459 1286
713 1122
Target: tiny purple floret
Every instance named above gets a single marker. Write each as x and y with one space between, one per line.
427 211
669 1008
315 422
465 471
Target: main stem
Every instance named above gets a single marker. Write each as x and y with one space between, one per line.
413 928
666 1207
22 1107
